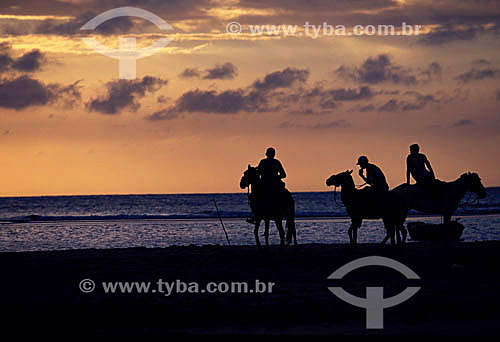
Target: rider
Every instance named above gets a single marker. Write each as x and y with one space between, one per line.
271 171
374 176
416 164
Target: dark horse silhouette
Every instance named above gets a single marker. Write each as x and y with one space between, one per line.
365 204
441 197
267 207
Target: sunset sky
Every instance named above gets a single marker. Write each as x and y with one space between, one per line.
209 103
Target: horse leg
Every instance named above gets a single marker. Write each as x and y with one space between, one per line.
446 218
404 233
279 225
290 231
353 231
396 230
256 233
388 232
266 231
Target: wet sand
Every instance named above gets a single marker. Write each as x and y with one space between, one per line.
459 293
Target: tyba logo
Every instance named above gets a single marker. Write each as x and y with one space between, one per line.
127 54
374 303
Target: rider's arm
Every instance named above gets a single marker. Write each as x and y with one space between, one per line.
365 179
281 171
428 164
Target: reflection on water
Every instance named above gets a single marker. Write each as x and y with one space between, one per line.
163 233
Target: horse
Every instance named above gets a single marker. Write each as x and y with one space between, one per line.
441 197
265 207
366 204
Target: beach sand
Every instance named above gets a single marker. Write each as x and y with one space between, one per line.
459 293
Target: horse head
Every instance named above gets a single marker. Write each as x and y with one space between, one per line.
340 179
250 177
474 184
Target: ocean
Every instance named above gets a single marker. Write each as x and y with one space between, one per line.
121 221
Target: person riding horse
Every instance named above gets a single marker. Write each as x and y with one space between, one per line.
271 172
374 176
419 167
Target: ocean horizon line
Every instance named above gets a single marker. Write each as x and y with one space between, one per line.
164 194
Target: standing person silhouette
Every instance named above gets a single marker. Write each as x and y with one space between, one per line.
271 171
374 175
418 166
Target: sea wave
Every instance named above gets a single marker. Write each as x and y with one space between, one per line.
214 215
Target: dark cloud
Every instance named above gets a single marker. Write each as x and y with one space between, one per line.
226 102
29 62
333 124
161 99
221 72
481 62
433 71
5 62
71 27
378 69
282 79
163 115
448 34
343 94
477 74
123 94
185 9
418 102
224 71
463 122
190 73
283 90
367 108
23 92
318 5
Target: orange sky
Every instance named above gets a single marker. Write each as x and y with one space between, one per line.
285 92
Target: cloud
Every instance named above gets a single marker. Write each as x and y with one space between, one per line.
368 108
448 34
343 94
118 25
258 97
477 74
419 102
333 124
463 122
221 72
281 79
283 90
163 115
226 102
226 71
123 94
29 62
22 92
190 73
381 69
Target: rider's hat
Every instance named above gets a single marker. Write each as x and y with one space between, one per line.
362 160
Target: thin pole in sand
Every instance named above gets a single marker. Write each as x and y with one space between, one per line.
221 222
